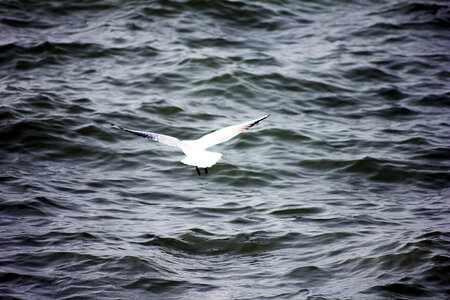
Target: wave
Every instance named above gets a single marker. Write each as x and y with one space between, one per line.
341 193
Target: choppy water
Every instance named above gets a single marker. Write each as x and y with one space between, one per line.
342 193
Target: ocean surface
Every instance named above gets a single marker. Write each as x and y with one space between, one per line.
342 193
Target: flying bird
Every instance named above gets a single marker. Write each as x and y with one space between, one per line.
195 150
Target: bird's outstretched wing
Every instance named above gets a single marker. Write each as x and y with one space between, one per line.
164 139
224 134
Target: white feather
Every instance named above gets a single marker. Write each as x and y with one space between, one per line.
195 149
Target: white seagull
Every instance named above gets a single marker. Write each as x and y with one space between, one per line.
195 150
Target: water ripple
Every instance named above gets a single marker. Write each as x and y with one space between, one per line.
342 193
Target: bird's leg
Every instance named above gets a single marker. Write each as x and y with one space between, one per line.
198 171
206 170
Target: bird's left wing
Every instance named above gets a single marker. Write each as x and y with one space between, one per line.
164 139
225 134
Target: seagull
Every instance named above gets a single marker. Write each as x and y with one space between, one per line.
195 150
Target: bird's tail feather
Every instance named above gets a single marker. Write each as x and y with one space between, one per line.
204 159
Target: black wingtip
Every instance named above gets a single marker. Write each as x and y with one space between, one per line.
117 127
257 121
263 118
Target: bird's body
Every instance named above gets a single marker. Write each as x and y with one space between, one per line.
195 150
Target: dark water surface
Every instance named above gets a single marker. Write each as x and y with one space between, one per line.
342 193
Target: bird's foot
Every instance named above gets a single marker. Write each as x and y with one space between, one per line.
206 170
198 171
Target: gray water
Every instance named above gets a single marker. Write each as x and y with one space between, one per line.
342 193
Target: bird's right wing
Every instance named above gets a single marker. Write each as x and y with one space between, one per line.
164 139
224 134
